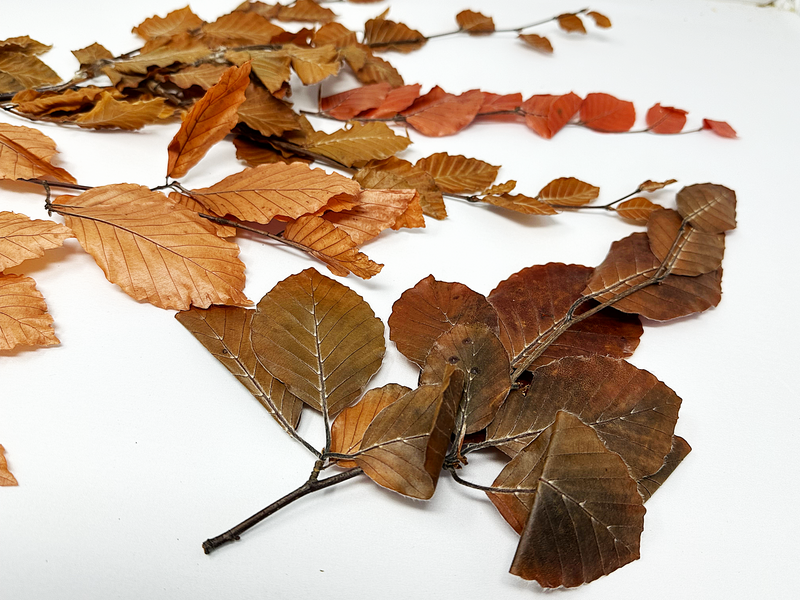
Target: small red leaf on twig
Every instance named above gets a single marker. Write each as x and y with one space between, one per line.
665 119
721 128
604 112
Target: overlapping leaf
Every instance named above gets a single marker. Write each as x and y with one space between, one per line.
265 113
240 29
458 174
24 320
695 252
439 113
547 114
25 153
708 207
25 71
22 238
358 143
397 174
176 22
347 105
649 485
377 210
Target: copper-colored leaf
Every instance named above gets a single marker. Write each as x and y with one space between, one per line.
537 42
255 154
240 29
568 191
458 174
348 429
260 193
67 101
24 45
571 23
395 173
91 54
372 69
474 22
377 210
273 69
111 113
475 350
357 143
652 186
605 113
160 57
225 332
24 320
347 105
533 301
26 70
665 119
22 238
203 75
637 210
547 114
630 264
587 515
431 308
6 477
178 21
708 207
184 201
25 153
208 121
599 19
265 113
312 65
499 103
396 101
334 34
154 250
520 203
306 11
320 338
505 188
404 447
721 128
331 245
695 252
439 113
389 35
269 11
649 485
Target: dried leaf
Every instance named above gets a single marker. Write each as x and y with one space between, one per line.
537 42
67 101
269 11
505 188
347 431
24 45
111 113
571 23
176 22
458 174
204 75
334 34
312 65
378 210
396 101
240 29
208 121
431 308
273 69
347 105
695 251
708 207
520 203
652 186
24 320
91 54
306 11
6 477
184 201
404 447
154 250
261 193
357 143
394 173
25 153
547 114
22 238
605 113
499 103
474 22
389 35
28 71
534 300
665 119
649 485
721 128
568 191
265 113
438 113
255 154
637 210
320 338
160 57
372 69
225 332
332 246
599 19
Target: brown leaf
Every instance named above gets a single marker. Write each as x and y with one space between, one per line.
537 42
665 119
320 338
225 332
534 300
394 173
547 114
110 113
637 210
25 153
332 246
159 57
520 203
505 188
203 75
404 447
306 11
209 120
378 210
334 34
26 70
649 485
347 105
67 101
254 153
178 21
599 19
261 193
721 128
184 201
389 35
240 29
499 103
630 263
312 65
571 23
24 320
6 477
458 174
475 350
587 515
269 11
431 308
154 250
22 238
568 191
474 22
357 143
265 113
24 45
347 431
652 186
439 113
708 207
371 68
273 69
396 101
91 54
695 251
605 113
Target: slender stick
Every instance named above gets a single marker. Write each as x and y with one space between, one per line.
489 488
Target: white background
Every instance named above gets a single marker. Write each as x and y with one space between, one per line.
132 445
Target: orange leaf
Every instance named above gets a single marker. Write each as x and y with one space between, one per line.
378 210
306 11
388 35
571 23
240 29
637 210
111 113
496 102
6 478
22 238
439 113
347 105
395 102
178 21
395 173
208 121
547 114
334 34
569 192
665 119
599 19
537 42
265 113
604 112
203 75
721 128
25 153
184 201
474 22
458 174
23 314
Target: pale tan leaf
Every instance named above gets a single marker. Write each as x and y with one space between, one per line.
209 120
240 29
111 113
458 174
357 143
568 191
23 238
695 252
265 113
312 65
254 153
474 22
6 477
27 70
187 202
708 207
637 210
25 153
24 320
178 21
155 250
91 54
537 42
520 203
204 75
269 11
377 210
571 23
388 35
306 11
394 173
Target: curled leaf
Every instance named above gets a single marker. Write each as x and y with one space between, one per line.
721 128
649 485
22 238
25 153
652 186
474 22
111 113
25 71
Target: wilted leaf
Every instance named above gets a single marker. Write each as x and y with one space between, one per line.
331 245
533 301
255 154
92 54
357 143
708 207
599 19
240 29
504 188
348 429
154 250
67 101
394 173
265 113
652 186
371 69
474 22
568 191
431 308
396 101
389 35
320 338
378 210
178 21
721 128
571 23
404 447
271 68
312 65
6 478
24 320
649 485
261 193
25 153
111 113
547 114
334 34
306 11
439 113
458 174
637 210
695 251
208 121
537 42
204 75
665 119
269 11
605 113
225 332
22 238
520 203
24 45
347 105
184 201
159 57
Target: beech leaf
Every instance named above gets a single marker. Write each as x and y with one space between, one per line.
474 22
178 21
6 477
371 69
25 153
637 210
458 174
396 101
599 19
665 119
26 70
265 113
22 238
652 186
439 113
708 207
240 29
347 105
273 69
357 143
537 42
45 104
499 103
569 192
394 173
184 201
306 11
335 34
388 35
91 54
159 57
520 203
111 113
255 154
605 113
204 75
649 485
312 65
377 210
24 45
547 114
695 251
721 128
320 338
24 320
571 23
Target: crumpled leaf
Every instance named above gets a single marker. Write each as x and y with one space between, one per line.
721 128
24 320
547 114
357 143
6 477
265 113
240 29
176 22
23 238
520 203
708 207
320 338
637 210
377 210
26 70
474 22
652 186
605 113
396 101
665 119
91 54
306 11
347 105
369 68
109 113
568 191
25 153
24 45
439 113
599 19
389 35
68 100
394 173
649 485
571 23
204 75
312 65
537 42
696 252
154 250
458 174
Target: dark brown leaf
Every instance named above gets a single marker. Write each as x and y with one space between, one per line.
694 253
649 485
255 154
708 207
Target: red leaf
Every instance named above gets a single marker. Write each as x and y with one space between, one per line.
348 104
604 112
665 119
396 101
720 128
547 114
495 102
438 113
